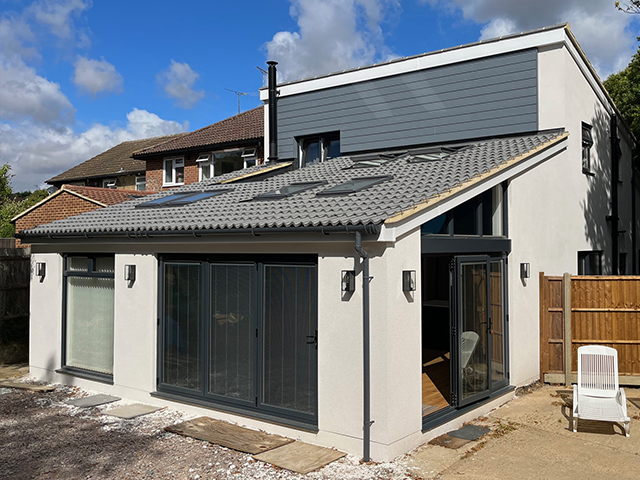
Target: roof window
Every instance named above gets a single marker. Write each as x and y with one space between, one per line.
355 185
289 190
366 161
430 154
180 199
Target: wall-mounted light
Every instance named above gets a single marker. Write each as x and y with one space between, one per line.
525 271
41 270
408 280
130 273
348 281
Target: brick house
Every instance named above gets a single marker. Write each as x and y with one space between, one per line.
68 201
114 168
228 145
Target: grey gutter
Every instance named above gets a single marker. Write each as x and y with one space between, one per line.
366 349
358 229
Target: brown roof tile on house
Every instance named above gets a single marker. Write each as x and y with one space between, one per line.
115 161
244 126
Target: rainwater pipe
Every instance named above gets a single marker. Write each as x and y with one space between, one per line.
366 360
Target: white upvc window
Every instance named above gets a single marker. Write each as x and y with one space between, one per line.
205 166
249 156
109 183
173 171
141 183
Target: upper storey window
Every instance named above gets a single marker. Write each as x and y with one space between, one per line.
587 143
317 149
174 171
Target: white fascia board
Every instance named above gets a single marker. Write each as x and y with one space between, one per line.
436 59
391 234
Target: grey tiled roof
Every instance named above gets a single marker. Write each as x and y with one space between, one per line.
411 184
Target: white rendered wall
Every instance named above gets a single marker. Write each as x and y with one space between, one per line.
555 210
395 338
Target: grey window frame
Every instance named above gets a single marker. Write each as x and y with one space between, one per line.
203 397
90 273
323 139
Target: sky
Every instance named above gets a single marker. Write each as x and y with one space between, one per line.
80 76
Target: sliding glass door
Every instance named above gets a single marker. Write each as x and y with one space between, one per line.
241 334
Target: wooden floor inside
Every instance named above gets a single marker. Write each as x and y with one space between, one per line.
436 388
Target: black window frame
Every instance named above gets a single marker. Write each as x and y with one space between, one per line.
584 264
219 402
587 143
89 273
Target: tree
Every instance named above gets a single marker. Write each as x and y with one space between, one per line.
10 204
624 88
632 7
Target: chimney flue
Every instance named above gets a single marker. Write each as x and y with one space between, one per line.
273 113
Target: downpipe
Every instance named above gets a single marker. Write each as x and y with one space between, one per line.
366 360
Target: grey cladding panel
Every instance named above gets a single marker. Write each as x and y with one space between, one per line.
491 96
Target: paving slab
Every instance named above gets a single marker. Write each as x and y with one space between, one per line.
449 441
470 432
28 386
300 457
131 411
229 435
13 370
92 400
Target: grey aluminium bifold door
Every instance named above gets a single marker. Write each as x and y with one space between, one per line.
240 333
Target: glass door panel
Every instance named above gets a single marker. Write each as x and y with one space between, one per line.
498 371
182 325
231 330
473 332
289 337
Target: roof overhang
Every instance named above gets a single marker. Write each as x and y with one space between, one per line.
141 155
415 216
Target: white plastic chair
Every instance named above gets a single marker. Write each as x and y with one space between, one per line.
597 395
469 341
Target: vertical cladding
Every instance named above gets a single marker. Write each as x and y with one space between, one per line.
491 96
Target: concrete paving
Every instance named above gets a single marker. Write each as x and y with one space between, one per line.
531 438
14 370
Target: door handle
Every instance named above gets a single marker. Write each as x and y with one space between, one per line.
313 339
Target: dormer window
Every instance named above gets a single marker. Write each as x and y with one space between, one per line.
249 155
317 149
205 166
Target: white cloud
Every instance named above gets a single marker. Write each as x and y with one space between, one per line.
26 95
57 15
332 35
15 33
605 34
177 82
95 76
37 153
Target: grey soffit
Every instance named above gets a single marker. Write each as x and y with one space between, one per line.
412 183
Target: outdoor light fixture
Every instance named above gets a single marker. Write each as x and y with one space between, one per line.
348 281
41 270
408 280
524 270
130 273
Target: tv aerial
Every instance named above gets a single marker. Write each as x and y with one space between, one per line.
239 94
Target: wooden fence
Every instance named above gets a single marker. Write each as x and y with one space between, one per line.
15 271
602 310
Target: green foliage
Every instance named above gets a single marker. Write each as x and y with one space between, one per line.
624 88
12 204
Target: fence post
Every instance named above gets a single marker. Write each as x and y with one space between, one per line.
566 315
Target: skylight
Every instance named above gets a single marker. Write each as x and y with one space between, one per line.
355 185
374 160
180 199
289 190
430 155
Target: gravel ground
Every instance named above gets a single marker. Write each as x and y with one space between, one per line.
43 438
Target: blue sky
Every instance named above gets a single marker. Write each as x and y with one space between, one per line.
79 76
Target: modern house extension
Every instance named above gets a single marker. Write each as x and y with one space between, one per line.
375 283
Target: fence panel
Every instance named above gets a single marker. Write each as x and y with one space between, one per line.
15 271
605 310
